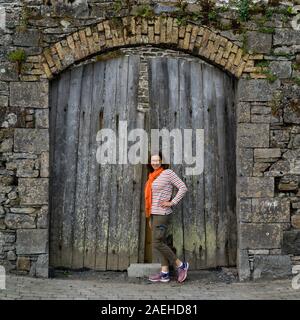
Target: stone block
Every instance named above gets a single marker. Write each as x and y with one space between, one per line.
263 153
23 210
291 114
286 37
259 42
28 38
272 266
244 161
243 265
243 112
19 221
31 140
260 236
34 241
254 187
42 118
278 169
42 218
44 165
29 94
267 210
259 168
140 270
42 266
291 242
253 135
295 219
256 89
26 168
282 69
33 191
23 263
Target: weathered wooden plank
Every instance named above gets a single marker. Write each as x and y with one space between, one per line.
132 176
184 123
91 229
112 246
210 167
221 163
193 218
69 152
105 173
59 163
122 225
82 169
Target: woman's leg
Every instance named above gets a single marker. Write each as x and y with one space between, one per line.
159 230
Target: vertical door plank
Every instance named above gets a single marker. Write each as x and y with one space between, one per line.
59 161
69 173
105 180
92 227
102 171
132 173
122 226
194 220
221 169
82 169
209 167
112 247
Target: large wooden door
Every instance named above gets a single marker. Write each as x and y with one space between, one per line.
189 95
95 209
97 218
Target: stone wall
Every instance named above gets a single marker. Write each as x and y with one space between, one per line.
263 54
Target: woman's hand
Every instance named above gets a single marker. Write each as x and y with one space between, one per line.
166 204
150 226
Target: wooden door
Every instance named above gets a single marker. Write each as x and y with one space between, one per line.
95 209
189 95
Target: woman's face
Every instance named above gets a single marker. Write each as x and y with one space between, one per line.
155 162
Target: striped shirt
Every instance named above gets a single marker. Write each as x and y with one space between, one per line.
162 188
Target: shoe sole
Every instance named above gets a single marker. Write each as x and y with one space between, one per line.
187 268
160 280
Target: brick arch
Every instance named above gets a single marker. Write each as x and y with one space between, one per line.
160 31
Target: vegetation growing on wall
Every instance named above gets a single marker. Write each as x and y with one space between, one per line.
17 56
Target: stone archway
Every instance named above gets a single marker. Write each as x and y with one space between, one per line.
197 40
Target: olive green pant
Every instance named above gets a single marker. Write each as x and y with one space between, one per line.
159 226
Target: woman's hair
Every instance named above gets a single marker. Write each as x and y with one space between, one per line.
159 153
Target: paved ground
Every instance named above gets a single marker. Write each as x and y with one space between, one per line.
116 285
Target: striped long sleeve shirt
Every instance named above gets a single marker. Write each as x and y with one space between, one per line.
162 188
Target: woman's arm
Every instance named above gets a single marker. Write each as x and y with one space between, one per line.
179 184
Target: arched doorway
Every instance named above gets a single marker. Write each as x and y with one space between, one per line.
97 218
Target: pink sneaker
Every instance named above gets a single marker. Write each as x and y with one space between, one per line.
182 272
160 277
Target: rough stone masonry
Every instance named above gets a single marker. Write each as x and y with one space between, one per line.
264 57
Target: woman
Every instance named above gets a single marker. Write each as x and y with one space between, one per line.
158 192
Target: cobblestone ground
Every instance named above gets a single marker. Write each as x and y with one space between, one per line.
116 286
